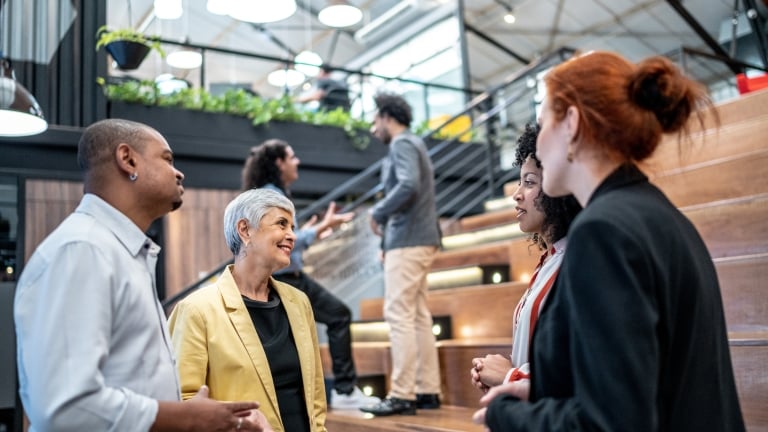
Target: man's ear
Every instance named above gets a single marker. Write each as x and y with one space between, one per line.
125 157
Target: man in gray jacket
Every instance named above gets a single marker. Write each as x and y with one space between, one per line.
411 237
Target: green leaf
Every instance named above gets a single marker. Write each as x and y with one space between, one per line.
240 103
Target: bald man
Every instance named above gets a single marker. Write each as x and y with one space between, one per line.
93 347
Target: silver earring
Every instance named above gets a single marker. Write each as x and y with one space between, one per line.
133 176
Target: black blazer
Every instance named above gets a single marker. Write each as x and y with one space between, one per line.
633 336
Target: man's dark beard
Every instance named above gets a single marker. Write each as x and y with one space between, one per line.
176 205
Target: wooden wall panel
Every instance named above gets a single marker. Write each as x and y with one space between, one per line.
194 237
48 203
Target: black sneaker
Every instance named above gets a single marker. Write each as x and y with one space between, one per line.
392 406
427 401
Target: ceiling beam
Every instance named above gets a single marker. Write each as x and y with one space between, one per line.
496 43
757 23
699 29
555 26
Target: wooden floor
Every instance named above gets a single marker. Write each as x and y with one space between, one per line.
445 419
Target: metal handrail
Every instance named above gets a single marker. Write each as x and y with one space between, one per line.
375 168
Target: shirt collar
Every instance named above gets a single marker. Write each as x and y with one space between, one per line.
559 246
622 176
124 229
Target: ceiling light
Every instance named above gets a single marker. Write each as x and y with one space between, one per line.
509 17
310 63
218 7
185 59
168 9
340 14
262 11
169 84
20 114
285 78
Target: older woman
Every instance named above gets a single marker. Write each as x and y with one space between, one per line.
633 336
248 335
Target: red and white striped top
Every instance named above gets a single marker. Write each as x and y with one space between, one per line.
529 307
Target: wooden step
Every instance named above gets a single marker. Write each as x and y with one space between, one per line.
744 108
456 360
485 254
717 180
729 141
523 259
744 289
482 220
749 355
479 311
445 419
467 239
732 227
467 276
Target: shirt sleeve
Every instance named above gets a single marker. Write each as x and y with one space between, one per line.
304 238
64 323
188 335
405 160
612 346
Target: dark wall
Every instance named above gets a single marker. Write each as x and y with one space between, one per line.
209 148
66 87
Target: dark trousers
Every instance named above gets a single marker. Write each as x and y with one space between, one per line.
332 312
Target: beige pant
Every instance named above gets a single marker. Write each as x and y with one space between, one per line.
415 366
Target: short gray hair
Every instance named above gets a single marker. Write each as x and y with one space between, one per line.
251 205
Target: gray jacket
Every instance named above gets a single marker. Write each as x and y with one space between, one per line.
407 212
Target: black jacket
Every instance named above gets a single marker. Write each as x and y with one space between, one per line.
633 337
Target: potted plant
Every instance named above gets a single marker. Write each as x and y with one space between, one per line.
239 103
127 46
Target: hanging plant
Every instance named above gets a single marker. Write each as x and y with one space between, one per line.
127 46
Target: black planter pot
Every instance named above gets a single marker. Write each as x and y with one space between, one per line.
128 55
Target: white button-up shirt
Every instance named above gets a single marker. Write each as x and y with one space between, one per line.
93 347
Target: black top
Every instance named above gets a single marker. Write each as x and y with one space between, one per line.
633 336
274 331
336 94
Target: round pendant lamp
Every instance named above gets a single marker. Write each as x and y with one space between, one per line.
20 114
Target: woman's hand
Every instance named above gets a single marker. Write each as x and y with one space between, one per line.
256 422
489 371
520 389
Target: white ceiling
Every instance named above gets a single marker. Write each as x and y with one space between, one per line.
635 28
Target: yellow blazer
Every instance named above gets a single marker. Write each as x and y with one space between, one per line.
216 344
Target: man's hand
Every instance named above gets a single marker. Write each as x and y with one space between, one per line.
202 414
375 227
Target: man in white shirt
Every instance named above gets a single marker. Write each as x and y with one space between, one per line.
93 347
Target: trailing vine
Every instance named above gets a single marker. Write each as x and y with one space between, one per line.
240 103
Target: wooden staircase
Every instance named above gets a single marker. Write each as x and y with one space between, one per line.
721 184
